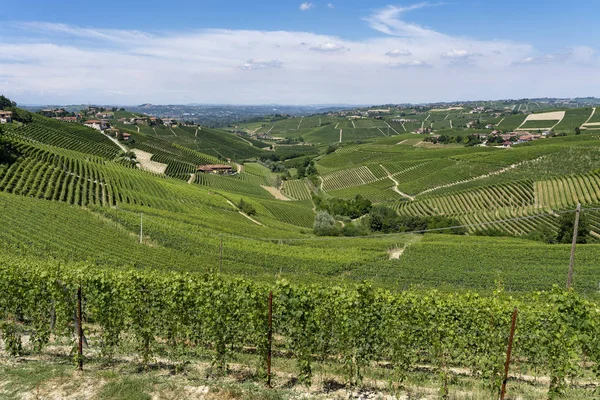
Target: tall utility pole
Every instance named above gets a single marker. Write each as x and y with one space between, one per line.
572 261
141 227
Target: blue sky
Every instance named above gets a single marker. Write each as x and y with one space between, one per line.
295 52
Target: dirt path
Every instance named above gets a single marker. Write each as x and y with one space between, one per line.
173 131
498 124
115 141
146 164
138 128
447 115
500 171
192 179
244 214
240 168
275 192
336 125
403 127
196 133
340 135
396 183
583 126
299 123
389 126
354 126
427 117
451 124
383 133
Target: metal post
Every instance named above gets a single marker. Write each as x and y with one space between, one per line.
79 332
270 339
572 261
508 353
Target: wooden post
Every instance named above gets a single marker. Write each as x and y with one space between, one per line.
79 332
572 261
270 339
508 353
221 254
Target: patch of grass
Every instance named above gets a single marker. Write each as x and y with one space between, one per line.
125 388
28 377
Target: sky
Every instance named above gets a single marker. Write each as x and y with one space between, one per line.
296 52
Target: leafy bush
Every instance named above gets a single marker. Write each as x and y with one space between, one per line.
246 207
325 224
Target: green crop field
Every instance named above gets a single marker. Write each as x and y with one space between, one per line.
177 265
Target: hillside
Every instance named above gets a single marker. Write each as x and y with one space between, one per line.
177 265
75 172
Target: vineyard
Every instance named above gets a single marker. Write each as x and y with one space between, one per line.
360 328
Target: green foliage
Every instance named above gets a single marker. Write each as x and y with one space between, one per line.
557 331
246 207
6 103
324 224
354 208
567 225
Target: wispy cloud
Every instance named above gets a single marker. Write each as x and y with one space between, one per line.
328 47
259 64
306 6
398 53
410 64
387 20
330 5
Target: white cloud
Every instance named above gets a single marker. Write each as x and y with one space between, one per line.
259 64
460 54
398 53
306 6
328 47
410 64
330 5
57 63
387 20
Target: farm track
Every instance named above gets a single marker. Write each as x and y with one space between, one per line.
396 183
389 126
244 214
173 131
500 171
192 179
583 126
115 141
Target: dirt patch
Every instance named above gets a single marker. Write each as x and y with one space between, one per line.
275 192
146 164
446 109
553 115
395 253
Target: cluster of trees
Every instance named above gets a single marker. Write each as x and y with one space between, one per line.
385 220
17 113
246 207
564 234
381 219
468 140
353 208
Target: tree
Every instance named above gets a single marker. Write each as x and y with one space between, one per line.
246 207
324 224
5 103
383 219
566 225
8 153
577 130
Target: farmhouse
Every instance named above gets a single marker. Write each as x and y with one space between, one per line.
66 119
472 124
169 121
215 169
5 117
489 126
96 124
